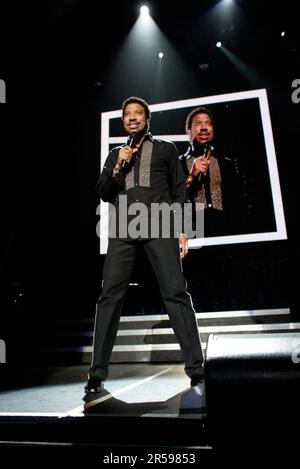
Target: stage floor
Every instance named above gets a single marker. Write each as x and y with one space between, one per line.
141 415
132 389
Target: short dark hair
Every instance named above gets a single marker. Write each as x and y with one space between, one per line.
193 113
135 99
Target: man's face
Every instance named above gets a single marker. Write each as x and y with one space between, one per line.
134 118
202 130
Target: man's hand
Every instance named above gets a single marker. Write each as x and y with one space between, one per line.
184 249
125 154
200 165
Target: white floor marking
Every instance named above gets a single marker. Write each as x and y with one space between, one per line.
79 409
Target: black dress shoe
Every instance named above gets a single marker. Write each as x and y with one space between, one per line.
94 384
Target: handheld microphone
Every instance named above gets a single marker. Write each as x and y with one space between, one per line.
131 138
206 151
130 142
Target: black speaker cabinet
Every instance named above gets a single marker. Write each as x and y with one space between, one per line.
252 381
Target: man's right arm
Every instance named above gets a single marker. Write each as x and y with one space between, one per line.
192 186
110 182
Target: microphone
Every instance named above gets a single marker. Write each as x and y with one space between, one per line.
206 151
130 143
131 138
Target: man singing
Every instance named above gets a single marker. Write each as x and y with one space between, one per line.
148 171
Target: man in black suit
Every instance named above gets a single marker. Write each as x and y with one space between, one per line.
147 171
214 181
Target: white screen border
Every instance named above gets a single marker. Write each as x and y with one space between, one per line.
280 232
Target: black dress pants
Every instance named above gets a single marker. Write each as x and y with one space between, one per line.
164 256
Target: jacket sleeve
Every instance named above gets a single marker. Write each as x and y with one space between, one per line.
108 187
178 191
195 185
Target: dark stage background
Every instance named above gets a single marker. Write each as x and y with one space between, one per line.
62 69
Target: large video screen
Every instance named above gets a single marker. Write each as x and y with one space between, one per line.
244 148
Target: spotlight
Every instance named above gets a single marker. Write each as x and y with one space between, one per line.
160 55
219 44
282 34
144 10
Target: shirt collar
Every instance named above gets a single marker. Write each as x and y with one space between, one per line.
188 153
149 136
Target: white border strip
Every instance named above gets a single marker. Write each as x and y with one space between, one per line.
30 414
208 329
272 166
203 315
253 328
218 314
